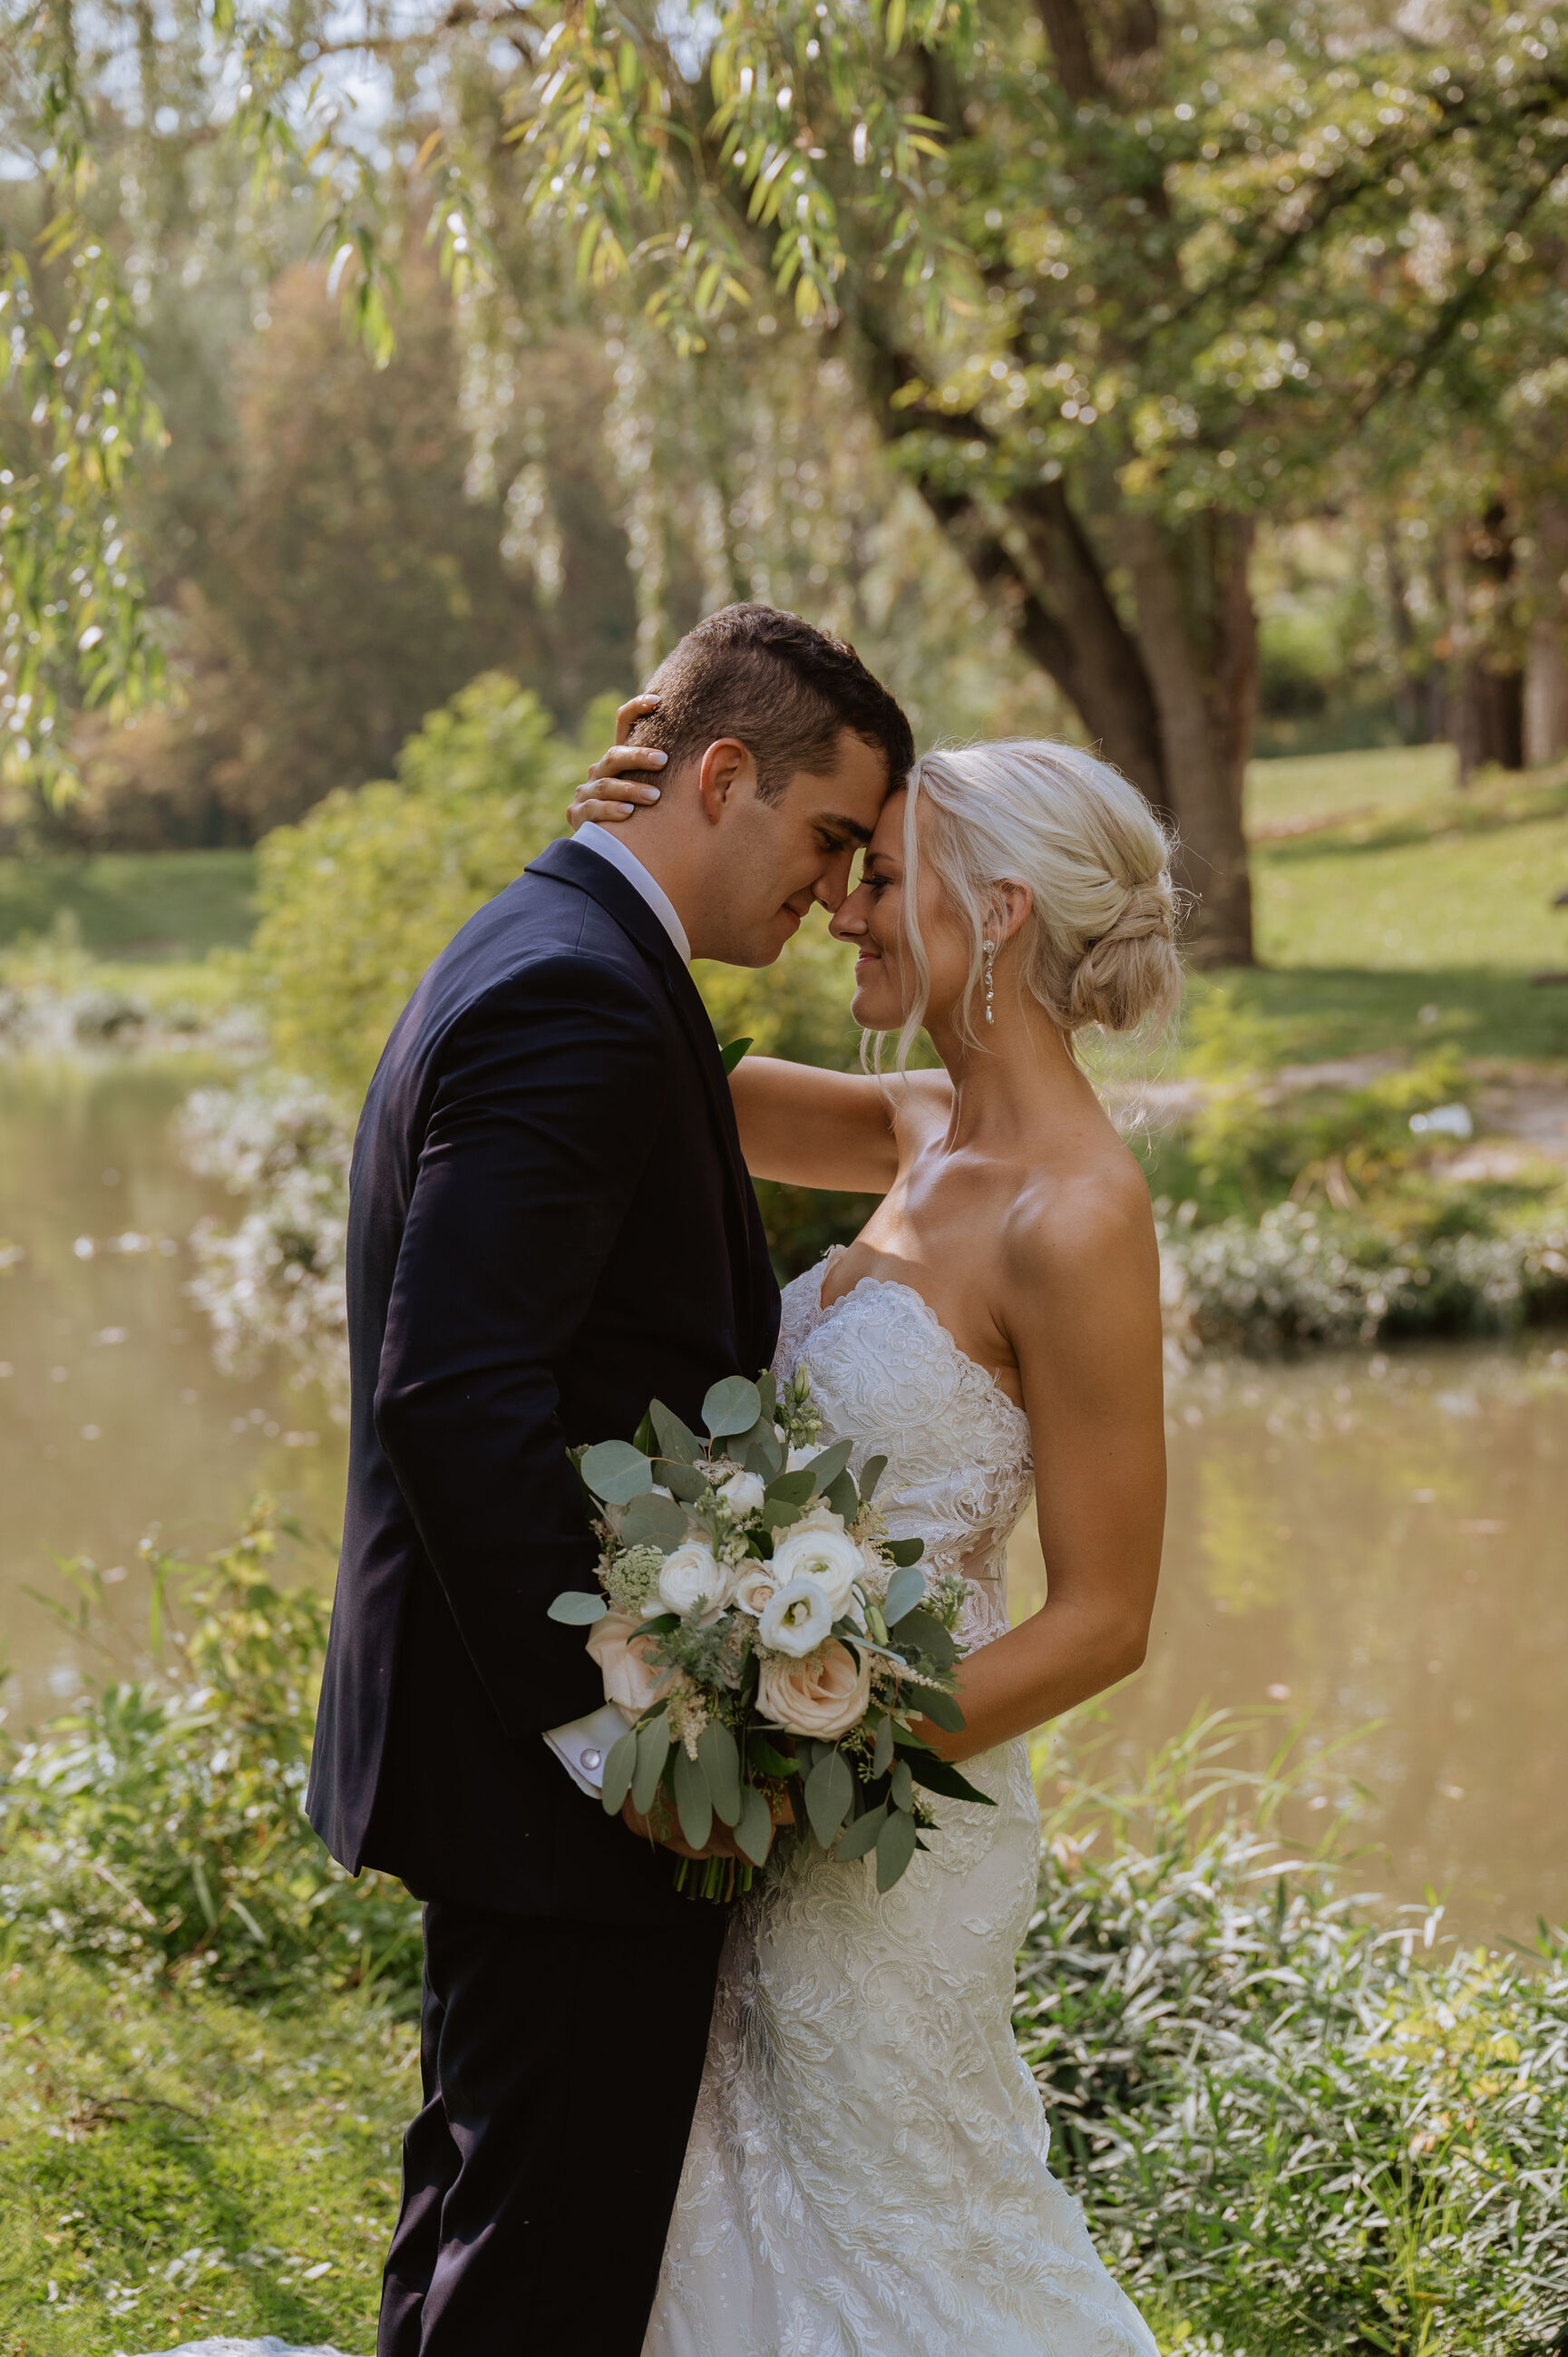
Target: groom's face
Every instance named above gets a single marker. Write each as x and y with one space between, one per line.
775 857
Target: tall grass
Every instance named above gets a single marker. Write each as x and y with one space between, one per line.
1299 2124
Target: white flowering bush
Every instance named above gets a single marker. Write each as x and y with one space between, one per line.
277 1280
1301 1274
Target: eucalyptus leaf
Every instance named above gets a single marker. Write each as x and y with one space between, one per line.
682 1480
767 1760
863 1834
901 1788
777 1515
759 1451
843 1498
645 1437
830 1789
651 1519
828 1465
659 1624
620 1766
675 1439
732 1405
616 1472
906 1550
895 1848
938 1707
871 1472
652 1750
905 1591
926 1632
720 1756
882 1754
941 1776
767 1393
576 1608
792 1489
693 1803
754 1826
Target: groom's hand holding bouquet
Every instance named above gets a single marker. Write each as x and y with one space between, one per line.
767 1643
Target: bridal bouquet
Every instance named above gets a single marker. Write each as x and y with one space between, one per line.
769 1643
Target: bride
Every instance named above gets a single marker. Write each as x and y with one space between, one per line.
867 2173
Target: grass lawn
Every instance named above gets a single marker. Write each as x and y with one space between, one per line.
1392 911
174 2167
145 904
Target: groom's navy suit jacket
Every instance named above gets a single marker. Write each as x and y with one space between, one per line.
550 1223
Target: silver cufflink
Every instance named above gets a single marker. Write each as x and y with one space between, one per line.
592 1759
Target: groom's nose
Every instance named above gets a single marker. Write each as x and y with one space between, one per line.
831 886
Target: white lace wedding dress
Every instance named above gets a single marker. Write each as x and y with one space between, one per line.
868 2170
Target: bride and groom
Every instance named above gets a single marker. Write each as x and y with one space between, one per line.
801 2129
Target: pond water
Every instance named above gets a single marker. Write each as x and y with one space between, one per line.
1373 1547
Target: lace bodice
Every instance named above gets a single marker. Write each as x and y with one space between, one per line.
886 1371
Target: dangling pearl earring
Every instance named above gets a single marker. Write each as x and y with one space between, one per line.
990 949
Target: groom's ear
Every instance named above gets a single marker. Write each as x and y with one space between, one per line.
726 769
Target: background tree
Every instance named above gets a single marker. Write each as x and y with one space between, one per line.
1113 284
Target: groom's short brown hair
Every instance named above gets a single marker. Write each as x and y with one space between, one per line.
785 689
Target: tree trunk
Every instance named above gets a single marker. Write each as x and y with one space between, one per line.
1486 678
1546 647
1198 636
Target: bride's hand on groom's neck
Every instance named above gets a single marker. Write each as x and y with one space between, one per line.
623 777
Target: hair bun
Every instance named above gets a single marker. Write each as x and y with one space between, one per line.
1130 970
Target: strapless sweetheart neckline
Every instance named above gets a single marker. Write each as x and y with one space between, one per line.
826 1309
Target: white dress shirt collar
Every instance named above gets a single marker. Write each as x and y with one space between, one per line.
609 847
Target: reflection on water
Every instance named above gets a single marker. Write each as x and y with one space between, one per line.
112 1416
1350 1540
1378 1547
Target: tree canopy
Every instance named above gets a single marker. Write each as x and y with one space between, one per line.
1111 282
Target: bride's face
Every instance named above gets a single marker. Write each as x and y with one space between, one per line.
873 918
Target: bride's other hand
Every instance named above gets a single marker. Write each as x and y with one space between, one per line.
619 778
662 1827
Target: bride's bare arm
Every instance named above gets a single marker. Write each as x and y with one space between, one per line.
1082 1282
813 1128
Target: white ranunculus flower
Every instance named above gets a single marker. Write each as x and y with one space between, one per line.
693 1580
756 1585
795 1618
829 1558
801 1457
742 1493
821 1517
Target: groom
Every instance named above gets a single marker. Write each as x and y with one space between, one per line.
550 1223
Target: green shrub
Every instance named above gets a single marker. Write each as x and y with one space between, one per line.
1292 2123
159 1826
359 897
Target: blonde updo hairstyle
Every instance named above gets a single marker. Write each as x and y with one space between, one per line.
1098 945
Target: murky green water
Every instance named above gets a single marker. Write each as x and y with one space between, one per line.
1378 1546
112 1419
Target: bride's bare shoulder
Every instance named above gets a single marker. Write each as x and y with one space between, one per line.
1084 1219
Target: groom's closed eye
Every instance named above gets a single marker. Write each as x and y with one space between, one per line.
835 835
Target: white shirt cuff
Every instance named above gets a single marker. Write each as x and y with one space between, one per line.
580 1746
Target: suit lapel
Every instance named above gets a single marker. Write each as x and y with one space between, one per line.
571 864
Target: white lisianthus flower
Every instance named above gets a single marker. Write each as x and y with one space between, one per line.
742 1493
755 1587
799 1459
823 1697
829 1558
693 1580
795 1618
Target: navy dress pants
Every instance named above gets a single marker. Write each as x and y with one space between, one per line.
560 2063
